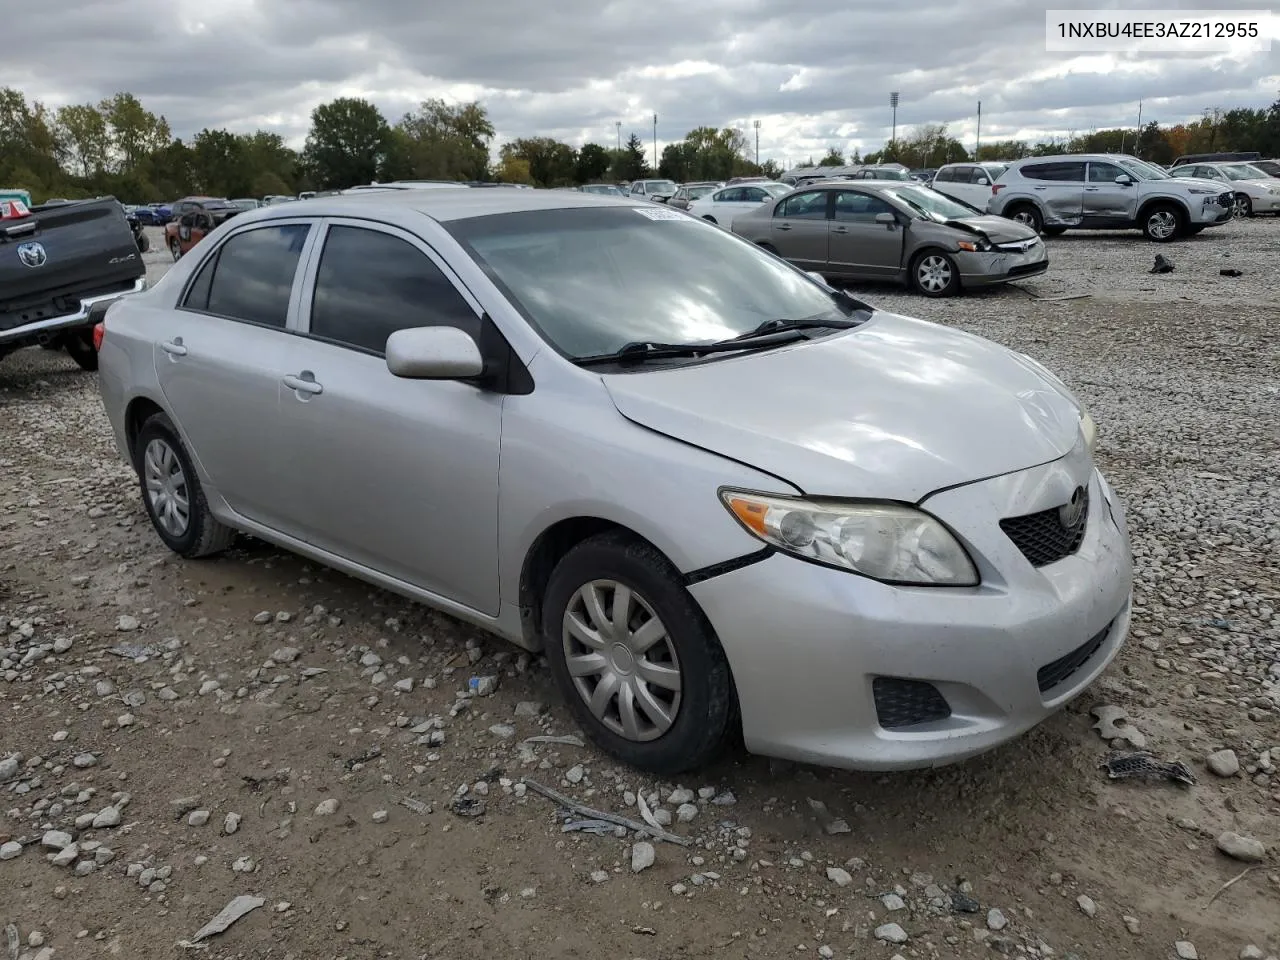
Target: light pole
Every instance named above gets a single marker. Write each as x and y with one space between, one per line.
893 102
756 124
977 143
618 124
655 144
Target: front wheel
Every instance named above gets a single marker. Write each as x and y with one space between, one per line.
175 248
635 656
935 274
172 494
144 243
1242 206
1163 223
1027 215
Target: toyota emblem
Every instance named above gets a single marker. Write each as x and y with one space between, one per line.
1070 512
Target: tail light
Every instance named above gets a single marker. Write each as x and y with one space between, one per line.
99 331
997 187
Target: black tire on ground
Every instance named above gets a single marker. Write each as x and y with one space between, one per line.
203 535
79 344
937 266
1054 231
1191 231
1243 206
144 243
706 714
769 248
175 249
709 219
1163 223
1027 213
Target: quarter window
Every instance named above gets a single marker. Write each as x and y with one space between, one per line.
250 278
370 284
948 175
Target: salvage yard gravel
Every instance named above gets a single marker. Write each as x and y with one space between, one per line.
327 770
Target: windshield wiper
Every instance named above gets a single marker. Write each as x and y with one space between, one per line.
641 351
770 327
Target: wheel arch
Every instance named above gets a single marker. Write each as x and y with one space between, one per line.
1151 202
139 410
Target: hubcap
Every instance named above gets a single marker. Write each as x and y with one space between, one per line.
1026 218
166 488
622 661
1162 224
934 274
1240 208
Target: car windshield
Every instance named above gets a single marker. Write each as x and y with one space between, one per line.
930 203
891 174
1243 171
696 192
775 189
661 186
601 188
1141 170
591 280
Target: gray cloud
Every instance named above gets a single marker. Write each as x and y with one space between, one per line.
815 72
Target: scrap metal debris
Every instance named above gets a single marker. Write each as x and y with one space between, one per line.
1230 272
417 806
1162 265
602 828
468 806
645 813
372 754
1113 725
133 651
233 911
569 741
590 813
830 823
1141 765
15 942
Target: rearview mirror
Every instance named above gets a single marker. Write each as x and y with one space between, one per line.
1124 179
433 353
888 219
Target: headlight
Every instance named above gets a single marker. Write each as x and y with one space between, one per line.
1089 430
885 541
1201 192
976 246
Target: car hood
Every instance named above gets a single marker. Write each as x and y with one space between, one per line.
895 409
1196 182
995 229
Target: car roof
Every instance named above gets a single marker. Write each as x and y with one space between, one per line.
440 205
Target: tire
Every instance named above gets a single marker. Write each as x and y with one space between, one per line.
175 248
1193 231
79 344
1163 223
934 274
1028 215
695 722
1054 231
709 219
201 535
144 243
768 248
1242 207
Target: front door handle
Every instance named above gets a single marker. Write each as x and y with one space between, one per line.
174 347
839 229
305 382
783 226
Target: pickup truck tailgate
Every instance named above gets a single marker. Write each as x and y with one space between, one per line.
61 255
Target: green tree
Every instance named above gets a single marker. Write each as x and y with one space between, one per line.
514 169
551 162
834 158
347 144
593 163
771 169
441 141
85 138
221 164
629 164
136 132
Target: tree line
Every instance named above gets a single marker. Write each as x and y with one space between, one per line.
119 147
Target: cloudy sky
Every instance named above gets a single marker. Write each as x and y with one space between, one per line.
813 72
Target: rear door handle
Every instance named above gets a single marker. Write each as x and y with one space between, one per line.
784 226
174 347
839 229
304 382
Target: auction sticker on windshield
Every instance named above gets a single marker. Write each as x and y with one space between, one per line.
660 213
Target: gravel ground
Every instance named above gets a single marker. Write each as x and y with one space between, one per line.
177 734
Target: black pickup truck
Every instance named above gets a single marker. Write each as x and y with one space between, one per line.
61 266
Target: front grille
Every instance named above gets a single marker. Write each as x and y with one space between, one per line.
907 703
1226 199
1022 268
1055 674
1043 538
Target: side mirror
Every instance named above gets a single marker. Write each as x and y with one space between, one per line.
1124 180
984 182
818 278
888 219
433 353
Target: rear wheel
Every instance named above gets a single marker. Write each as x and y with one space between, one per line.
1054 231
769 247
1242 206
79 344
1163 223
175 248
935 274
1027 215
172 494
635 657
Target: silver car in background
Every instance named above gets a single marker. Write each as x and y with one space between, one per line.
902 232
718 494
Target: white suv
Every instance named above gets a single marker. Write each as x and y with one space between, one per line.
1107 192
968 182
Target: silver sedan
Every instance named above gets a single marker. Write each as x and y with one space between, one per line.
719 495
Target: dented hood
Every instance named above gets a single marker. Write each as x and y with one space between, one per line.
894 409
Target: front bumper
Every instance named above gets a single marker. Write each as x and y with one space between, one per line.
807 643
1265 203
1213 210
1001 265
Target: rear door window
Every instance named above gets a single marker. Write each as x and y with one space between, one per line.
250 277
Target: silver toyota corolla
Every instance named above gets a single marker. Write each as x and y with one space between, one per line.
716 492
